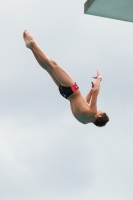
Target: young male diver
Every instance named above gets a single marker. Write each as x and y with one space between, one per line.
84 109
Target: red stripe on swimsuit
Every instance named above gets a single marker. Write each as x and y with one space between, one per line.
74 87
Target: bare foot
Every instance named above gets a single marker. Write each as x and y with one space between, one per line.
29 40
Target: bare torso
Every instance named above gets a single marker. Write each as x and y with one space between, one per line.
80 108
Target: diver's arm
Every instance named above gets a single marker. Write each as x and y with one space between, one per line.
96 87
95 92
88 97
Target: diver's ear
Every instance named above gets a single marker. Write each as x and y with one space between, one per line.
99 116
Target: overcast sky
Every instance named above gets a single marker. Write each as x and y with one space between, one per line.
45 153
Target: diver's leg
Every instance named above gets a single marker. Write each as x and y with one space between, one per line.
46 68
60 74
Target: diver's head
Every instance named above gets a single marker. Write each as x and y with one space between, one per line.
101 118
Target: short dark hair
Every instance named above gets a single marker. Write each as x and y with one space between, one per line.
101 121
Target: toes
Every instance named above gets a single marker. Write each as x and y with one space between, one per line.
25 31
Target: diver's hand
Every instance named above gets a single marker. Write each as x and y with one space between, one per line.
98 75
92 84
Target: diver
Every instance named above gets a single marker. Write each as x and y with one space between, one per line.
84 109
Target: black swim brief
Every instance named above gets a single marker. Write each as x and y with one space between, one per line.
67 91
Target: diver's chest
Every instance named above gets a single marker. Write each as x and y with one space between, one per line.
80 111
